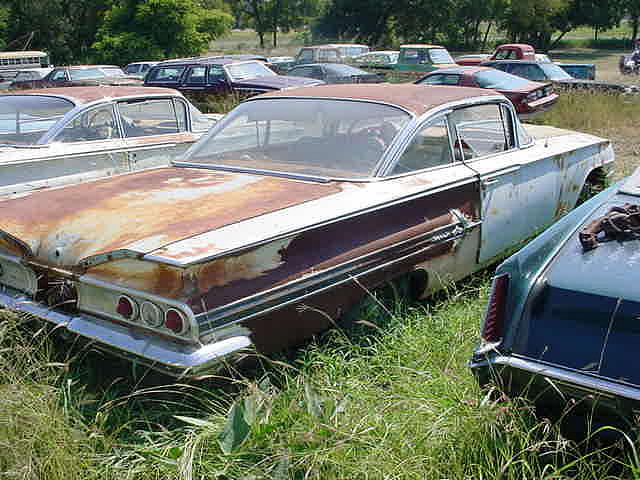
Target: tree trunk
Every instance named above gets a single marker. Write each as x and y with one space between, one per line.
486 36
261 37
275 37
557 40
634 25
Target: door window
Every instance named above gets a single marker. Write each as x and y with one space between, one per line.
148 117
96 124
429 148
59 75
196 75
482 130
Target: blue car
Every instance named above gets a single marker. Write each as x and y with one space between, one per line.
563 319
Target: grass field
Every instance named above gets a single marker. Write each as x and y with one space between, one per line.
391 398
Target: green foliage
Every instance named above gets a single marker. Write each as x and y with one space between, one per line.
157 29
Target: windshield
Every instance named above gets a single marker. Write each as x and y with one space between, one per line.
113 72
85 73
345 70
440 56
499 80
243 71
302 136
24 119
554 72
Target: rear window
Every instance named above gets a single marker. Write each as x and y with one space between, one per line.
25 118
86 73
499 80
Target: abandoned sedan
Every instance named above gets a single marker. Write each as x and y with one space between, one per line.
283 217
66 135
562 323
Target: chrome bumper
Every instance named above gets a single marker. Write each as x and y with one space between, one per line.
564 378
157 353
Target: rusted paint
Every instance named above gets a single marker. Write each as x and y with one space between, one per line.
317 249
155 278
414 98
144 210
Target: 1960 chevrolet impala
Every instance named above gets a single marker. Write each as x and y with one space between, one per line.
308 197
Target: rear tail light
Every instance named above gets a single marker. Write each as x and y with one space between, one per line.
175 321
127 307
151 314
494 318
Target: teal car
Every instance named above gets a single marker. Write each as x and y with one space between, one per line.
561 326
423 58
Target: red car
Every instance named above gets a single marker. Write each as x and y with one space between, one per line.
529 98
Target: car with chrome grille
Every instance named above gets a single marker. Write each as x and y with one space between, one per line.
284 216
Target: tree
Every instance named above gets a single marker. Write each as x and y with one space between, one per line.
157 29
534 22
272 16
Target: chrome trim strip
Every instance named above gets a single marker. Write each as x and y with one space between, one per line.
580 380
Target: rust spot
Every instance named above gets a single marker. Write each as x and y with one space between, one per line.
150 208
150 277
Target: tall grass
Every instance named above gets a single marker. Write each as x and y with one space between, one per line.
389 398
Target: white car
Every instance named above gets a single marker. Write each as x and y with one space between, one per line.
67 135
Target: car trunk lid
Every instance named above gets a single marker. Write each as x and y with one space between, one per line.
136 213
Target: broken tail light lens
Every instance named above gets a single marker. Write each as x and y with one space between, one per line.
127 307
175 321
494 320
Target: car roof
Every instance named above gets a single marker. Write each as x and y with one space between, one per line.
80 95
531 62
214 60
420 45
416 99
461 69
83 67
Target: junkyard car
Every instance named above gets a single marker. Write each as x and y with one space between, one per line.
77 76
283 217
423 58
562 323
551 72
336 73
139 69
221 76
66 135
529 98
384 59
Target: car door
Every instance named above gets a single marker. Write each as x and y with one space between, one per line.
194 80
519 186
428 158
155 130
87 146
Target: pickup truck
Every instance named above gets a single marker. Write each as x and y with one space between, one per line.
523 51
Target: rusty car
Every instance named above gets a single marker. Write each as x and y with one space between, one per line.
67 135
284 216
561 326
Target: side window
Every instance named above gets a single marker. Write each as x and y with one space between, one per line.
316 73
305 55
96 124
482 130
181 114
532 72
196 75
442 79
216 74
148 117
301 71
59 75
429 148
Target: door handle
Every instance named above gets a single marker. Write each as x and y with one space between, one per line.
489 181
